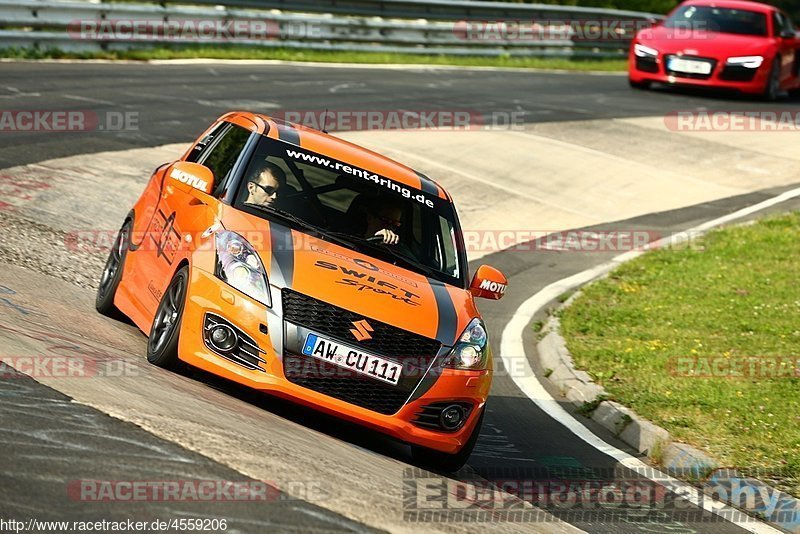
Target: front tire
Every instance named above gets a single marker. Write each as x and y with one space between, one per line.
112 272
162 345
444 462
773 88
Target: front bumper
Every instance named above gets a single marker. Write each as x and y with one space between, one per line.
722 77
207 294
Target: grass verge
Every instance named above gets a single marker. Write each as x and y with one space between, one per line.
285 54
651 329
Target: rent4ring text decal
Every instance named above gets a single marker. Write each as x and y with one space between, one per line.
361 173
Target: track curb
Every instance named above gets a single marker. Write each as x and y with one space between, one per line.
681 460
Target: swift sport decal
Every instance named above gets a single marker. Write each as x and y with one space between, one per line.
365 264
364 281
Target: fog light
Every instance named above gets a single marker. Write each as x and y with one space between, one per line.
452 417
223 338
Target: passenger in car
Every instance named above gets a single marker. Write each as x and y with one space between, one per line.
384 220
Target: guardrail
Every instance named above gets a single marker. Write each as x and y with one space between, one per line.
428 9
85 26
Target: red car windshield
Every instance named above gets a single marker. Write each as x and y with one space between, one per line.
719 19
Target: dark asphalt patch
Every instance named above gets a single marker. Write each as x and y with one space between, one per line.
50 444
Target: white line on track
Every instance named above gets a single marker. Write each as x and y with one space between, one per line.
87 99
512 346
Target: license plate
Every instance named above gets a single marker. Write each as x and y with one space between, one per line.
352 358
689 66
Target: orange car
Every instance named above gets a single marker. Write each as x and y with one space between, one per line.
299 264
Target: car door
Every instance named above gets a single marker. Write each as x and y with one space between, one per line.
181 213
787 42
794 44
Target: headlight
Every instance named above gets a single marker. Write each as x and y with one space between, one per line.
471 350
644 51
750 62
238 264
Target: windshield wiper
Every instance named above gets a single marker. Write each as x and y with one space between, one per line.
339 237
284 215
408 260
347 239
382 247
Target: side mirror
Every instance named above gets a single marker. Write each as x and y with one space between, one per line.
188 176
788 34
488 283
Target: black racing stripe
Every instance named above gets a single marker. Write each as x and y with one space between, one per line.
427 185
445 332
448 319
431 377
287 132
282 271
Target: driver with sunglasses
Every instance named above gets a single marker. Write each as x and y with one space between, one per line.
264 188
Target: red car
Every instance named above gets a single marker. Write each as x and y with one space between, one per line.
731 44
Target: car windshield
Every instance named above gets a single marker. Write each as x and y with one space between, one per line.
719 19
345 204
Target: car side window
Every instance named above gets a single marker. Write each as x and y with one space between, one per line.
777 24
781 22
224 151
204 143
787 22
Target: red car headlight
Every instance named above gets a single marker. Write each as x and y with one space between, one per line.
644 51
749 62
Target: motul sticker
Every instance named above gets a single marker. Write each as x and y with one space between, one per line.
189 179
494 287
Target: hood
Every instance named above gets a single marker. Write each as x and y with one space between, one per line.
702 43
354 281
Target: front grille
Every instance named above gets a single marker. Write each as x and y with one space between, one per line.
414 351
736 73
337 322
346 385
690 75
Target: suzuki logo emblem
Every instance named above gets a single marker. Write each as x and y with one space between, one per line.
361 330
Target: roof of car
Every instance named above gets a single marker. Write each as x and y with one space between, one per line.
733 4
347 152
